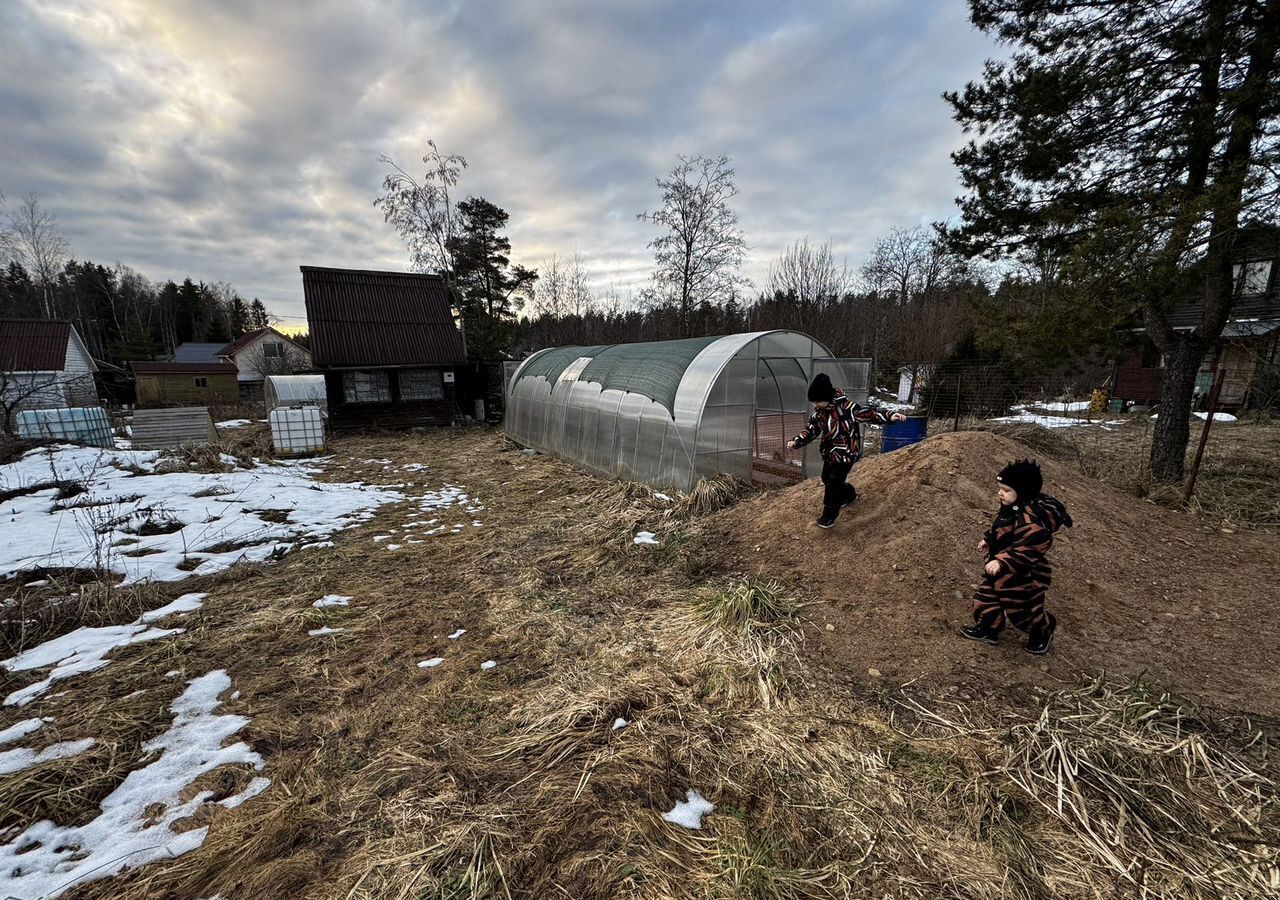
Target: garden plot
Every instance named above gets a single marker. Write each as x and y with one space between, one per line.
118 511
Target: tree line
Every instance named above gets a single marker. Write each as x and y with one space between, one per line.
119 313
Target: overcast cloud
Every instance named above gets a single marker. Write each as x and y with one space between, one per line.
236 140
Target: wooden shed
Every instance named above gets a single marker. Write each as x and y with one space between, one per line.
185 384
387 345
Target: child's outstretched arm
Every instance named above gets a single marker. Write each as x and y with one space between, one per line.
811 432
1030 543
878 416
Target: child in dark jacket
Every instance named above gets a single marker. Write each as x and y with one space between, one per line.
1017 574
836 420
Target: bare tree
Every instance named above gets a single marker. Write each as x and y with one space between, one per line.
35 390
909 262
699 253
39 246
810 277
422 210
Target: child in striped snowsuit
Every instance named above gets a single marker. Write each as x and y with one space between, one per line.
836 420
1017 574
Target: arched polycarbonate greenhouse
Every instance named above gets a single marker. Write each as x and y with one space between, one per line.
296 390
671 412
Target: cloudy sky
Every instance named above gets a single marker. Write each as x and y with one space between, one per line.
234 140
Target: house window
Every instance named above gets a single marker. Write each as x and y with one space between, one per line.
1252 277
366 387
273 350
421 384
202 382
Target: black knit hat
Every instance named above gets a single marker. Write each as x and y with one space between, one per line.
1023 475
821 390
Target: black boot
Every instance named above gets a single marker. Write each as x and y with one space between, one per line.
1039 645
827 519
850 494
981 634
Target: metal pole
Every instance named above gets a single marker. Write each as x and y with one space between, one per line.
955 426
1204 435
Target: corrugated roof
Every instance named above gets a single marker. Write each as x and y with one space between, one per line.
177 368
33 345
193 352
651 369
363 318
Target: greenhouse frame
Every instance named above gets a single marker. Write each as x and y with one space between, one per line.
669 413
296 390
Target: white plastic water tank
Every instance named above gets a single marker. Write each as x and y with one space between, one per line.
296 431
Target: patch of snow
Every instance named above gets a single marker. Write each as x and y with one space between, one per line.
323 545
332 600
1052 421
172 673
656 494
16 760
217 529
382 537
85 649
620 723
530 452
689 812
488 664
431 663
40 583
20 730
135 825
457 634
646 537
1217 417
318 632
234 423
185 603
393 546
1073 406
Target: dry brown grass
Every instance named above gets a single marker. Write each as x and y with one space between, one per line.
390 781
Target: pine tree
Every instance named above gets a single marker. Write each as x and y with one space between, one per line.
239 316
258 317
489 287
1135 139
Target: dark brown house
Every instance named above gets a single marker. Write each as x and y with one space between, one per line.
387 345
1250 344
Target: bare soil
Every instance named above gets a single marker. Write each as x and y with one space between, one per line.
1138 589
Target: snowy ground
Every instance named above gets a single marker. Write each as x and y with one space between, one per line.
135 824
166 526
1047 421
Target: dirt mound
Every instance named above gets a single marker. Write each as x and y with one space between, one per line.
1137 588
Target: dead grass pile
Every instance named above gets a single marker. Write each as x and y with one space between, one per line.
1144 787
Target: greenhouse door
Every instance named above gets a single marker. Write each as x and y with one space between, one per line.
780 415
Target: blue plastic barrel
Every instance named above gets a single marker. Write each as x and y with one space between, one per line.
900 434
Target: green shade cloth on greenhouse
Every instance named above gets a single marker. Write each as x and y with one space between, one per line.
652 370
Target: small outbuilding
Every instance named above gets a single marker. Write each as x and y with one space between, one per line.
386 344
161 384
671 412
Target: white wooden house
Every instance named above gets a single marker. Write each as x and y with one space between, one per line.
44 365
261 353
